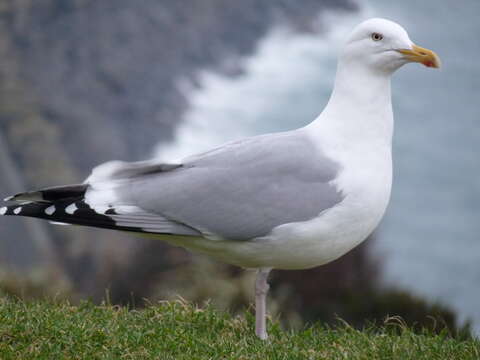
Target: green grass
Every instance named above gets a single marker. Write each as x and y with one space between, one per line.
59 330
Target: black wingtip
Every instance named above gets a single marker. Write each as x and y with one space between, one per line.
58 212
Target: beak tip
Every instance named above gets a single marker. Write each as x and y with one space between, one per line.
435 63
432 64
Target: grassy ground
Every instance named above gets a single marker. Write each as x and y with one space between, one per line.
49 330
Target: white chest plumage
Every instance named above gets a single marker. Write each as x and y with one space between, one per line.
365 182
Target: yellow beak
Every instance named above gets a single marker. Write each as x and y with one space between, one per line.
421 55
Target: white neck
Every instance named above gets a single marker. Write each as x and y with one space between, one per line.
355 130
359 108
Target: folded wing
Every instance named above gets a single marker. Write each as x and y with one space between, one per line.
239 191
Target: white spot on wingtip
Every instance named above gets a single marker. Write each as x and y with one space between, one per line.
3 210
70 209
17 210
9 198
50 210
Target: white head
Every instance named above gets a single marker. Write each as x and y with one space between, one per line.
383 46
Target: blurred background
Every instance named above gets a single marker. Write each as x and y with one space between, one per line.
83 82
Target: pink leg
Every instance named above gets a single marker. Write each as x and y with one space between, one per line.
261 290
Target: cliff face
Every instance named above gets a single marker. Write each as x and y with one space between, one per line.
86 81
106 72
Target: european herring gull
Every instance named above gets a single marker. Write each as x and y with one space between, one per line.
288 200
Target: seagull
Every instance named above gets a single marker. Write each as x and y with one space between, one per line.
287 200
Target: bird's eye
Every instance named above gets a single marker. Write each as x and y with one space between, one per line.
377 37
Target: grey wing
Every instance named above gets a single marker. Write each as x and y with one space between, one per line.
244 189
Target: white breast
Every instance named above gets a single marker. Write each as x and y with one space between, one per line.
366 184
